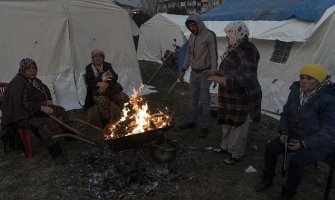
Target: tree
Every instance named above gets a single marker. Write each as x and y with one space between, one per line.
140 18
177 11
149 6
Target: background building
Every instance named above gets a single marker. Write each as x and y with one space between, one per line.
190 6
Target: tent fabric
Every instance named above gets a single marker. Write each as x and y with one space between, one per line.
286 30
157 35
59 35
304 10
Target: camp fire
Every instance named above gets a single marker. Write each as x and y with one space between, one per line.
136 118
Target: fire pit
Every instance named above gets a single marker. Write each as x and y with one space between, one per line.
135 140
138 127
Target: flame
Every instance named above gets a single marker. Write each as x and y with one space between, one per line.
136 118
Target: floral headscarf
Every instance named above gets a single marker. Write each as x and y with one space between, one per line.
36 84
25 63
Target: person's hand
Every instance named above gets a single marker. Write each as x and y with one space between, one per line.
47 110
293 145
50 103
209 72
107 76
181 76
102 86
283 138
217 79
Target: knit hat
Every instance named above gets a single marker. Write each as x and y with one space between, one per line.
316 71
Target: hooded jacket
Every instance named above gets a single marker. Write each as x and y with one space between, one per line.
201 51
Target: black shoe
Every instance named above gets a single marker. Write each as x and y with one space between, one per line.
187 125
230 160
286 194
55 150
265 184
203 133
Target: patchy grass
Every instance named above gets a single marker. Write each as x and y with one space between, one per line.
195 173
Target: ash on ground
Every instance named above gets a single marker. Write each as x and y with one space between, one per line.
112 175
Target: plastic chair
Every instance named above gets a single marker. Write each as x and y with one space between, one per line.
3 86
25 135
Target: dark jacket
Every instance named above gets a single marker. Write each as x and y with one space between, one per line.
92 81
21 100
242 94
314 122
201 51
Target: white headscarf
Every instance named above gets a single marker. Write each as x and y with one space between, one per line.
236 31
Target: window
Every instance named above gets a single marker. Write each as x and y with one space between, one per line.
281 51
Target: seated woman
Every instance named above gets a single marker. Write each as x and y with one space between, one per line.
27 103
306 127
103 89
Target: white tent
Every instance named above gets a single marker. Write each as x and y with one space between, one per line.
59 35
312 43
158 34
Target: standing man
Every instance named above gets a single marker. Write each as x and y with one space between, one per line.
201 55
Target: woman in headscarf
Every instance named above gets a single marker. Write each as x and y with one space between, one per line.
105 93
27 103
239 92
306 127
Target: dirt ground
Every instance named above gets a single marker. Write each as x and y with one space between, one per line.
195 173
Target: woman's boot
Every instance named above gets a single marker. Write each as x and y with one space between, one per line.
55 150
265 184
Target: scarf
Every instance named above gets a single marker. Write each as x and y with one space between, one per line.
304 98
39 87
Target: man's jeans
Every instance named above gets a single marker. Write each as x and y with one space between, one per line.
199 89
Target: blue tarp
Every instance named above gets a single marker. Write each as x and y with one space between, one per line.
182 54
272 10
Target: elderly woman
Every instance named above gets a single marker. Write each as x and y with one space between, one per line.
239 92
102 88
306 127
27 103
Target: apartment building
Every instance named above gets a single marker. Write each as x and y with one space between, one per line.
191 6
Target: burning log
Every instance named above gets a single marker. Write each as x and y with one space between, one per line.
136 118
